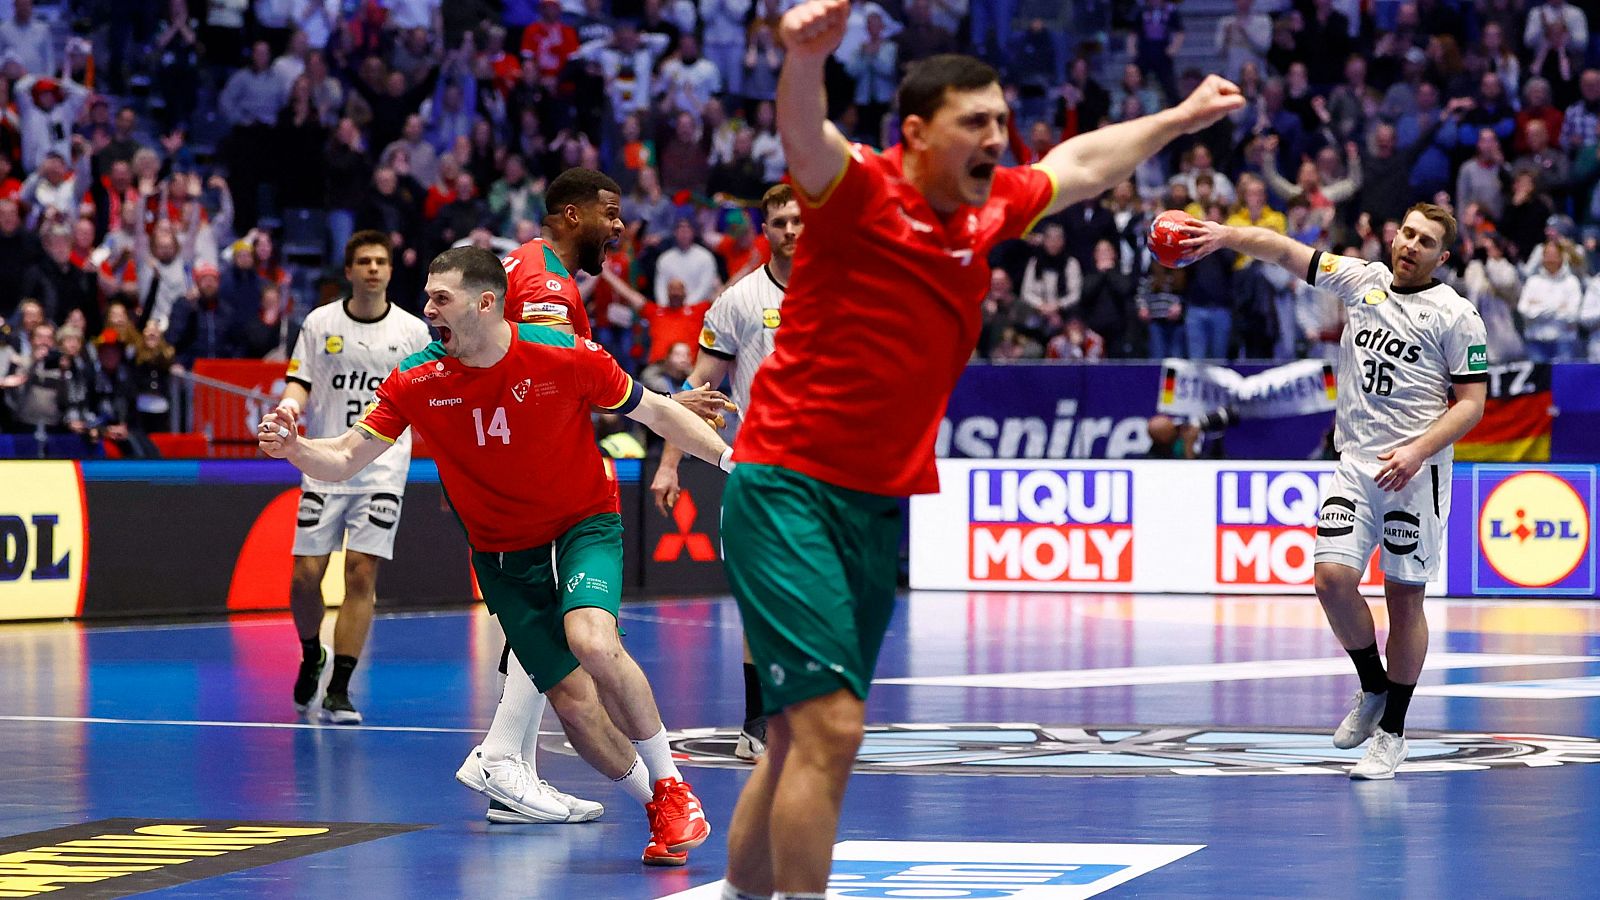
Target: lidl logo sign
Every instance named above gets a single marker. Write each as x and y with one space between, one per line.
982 871
1051 525
1534 530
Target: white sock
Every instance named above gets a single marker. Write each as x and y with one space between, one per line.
729 892
657 756
521 707
636 782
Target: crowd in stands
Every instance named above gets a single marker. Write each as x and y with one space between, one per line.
177 179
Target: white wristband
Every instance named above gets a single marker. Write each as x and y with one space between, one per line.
726 462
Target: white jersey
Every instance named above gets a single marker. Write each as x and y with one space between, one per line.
1400 352
740 327
341 360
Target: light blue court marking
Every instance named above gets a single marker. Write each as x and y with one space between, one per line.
1117 735
1095 760
1254 737
1414 751
869 752
945 737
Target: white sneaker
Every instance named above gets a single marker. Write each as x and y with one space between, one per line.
1385 755
1362 720
473 775
508 781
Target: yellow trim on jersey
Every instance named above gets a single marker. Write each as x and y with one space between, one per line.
626 395
1055 191
375 433
827 192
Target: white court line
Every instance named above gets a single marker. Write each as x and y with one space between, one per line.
1554 689
1205 672
311 726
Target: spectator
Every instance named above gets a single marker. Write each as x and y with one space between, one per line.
685 157
741 178
628 64
687 80
1208 301
923 36
1589 318
1052 281
722 22
292 63
300 143
649 207
677 320
422 161
347 171
1156 40
549 41
667 374
201 326
1549 306
453 108
394 106
1549 166
1108 300
163 275
394 207
514 197
1004 317
1243 37
1482 179
54 191
758 81
690 264
28 40
1253 210
1076 343
239 285
1324 43
1524 220
150 382
46 111
1580 125
1491 109
177 48
266 333
1494 286
1542 21
60 286
39 398
872 65
463 211
1084 105
1353 103
1133 85
1160 307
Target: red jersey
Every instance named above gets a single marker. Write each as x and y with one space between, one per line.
881 316
674 325
490 428
550 43
540 290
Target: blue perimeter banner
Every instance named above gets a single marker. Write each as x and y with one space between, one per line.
1099 411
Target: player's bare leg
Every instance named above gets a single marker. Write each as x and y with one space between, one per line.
589 727
1408 631
1339 591
824 734
360 598
750 831
677 823
305 604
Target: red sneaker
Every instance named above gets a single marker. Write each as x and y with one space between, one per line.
656 854
676 820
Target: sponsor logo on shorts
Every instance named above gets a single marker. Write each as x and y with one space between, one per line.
1051 525
1402 532
1535 531
1073 751
311 507
383 510
444 401
121 857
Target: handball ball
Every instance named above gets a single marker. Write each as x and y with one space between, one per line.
1166 236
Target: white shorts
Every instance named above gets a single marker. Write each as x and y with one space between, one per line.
1408 524
365 523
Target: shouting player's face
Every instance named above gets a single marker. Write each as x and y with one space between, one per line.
962 145
600 227
1418 249
782 229
462 317
369 272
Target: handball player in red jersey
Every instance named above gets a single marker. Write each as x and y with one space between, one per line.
881 316
506 409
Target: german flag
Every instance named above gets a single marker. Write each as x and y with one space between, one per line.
1169 385
1516 419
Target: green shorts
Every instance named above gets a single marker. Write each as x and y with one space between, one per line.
520 588
813 567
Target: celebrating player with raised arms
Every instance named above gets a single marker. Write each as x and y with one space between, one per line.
507 410
1409 343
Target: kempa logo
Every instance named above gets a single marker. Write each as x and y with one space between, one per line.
697 544
447 401
1071 751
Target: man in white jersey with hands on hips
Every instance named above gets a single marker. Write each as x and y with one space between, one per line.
1409 342
738 335
344 352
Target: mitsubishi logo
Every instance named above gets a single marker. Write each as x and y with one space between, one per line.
696 543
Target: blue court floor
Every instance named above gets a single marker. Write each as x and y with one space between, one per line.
1035 747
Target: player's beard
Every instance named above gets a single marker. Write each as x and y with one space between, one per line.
592 256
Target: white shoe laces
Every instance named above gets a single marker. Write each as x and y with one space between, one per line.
512 773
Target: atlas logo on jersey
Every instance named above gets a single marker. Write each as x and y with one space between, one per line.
1535 530
363 382
1051 525
1384 341
1265 521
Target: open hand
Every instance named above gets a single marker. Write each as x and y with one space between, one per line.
707 403
1400 466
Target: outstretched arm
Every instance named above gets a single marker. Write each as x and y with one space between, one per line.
679 426
326 459
708 371
1206 238
815 149
1091 163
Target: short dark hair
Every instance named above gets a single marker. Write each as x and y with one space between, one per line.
777 195
927 81
368 238
577 187
1435 213
480 270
